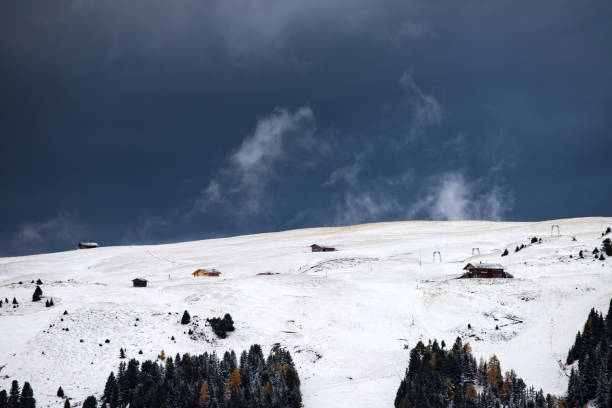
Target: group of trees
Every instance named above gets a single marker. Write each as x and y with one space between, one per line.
437 377
17 398
206 381
591 378
606 248
222 325
37 295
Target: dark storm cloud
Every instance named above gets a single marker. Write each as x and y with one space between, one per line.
149 121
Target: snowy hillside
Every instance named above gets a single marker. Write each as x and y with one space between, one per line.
345 316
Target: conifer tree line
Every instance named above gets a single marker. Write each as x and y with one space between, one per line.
206 381
18 398
591 378
437 377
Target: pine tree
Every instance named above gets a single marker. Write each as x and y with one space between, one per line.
115 397
27 397
186 319
37 294
3 398
67 403
13 399
39 282
60 392
606 246
90 402
121 353
15 301
111 382
505 252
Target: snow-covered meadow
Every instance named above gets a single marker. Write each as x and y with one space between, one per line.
346 316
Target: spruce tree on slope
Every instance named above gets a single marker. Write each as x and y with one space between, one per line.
27 397
13 399
186 318
108 388
90 402
3 398
606 246
37 294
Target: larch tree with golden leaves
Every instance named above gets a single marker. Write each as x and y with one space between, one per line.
234 381
203 393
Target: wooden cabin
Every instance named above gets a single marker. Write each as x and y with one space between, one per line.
139 283
87 245
319 248
205 272
485 270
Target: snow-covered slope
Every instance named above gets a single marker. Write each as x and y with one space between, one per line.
345 316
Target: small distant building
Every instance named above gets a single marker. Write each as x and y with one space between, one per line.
206 272
139 282
320 248
485 270
87 245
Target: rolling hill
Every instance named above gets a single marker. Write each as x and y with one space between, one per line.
345 316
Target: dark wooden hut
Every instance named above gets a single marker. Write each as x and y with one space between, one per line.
485 270
87 245
319 248
140 283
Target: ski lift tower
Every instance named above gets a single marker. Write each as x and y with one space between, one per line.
555 228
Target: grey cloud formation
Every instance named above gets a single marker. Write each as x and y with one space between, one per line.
365 206
349 173
280 138
424 109
453 197
370 200
61 229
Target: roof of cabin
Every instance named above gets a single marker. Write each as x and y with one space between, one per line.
482 265
213 270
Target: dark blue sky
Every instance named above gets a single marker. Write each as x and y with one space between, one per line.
146 121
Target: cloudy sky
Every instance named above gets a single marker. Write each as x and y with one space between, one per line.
129 122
